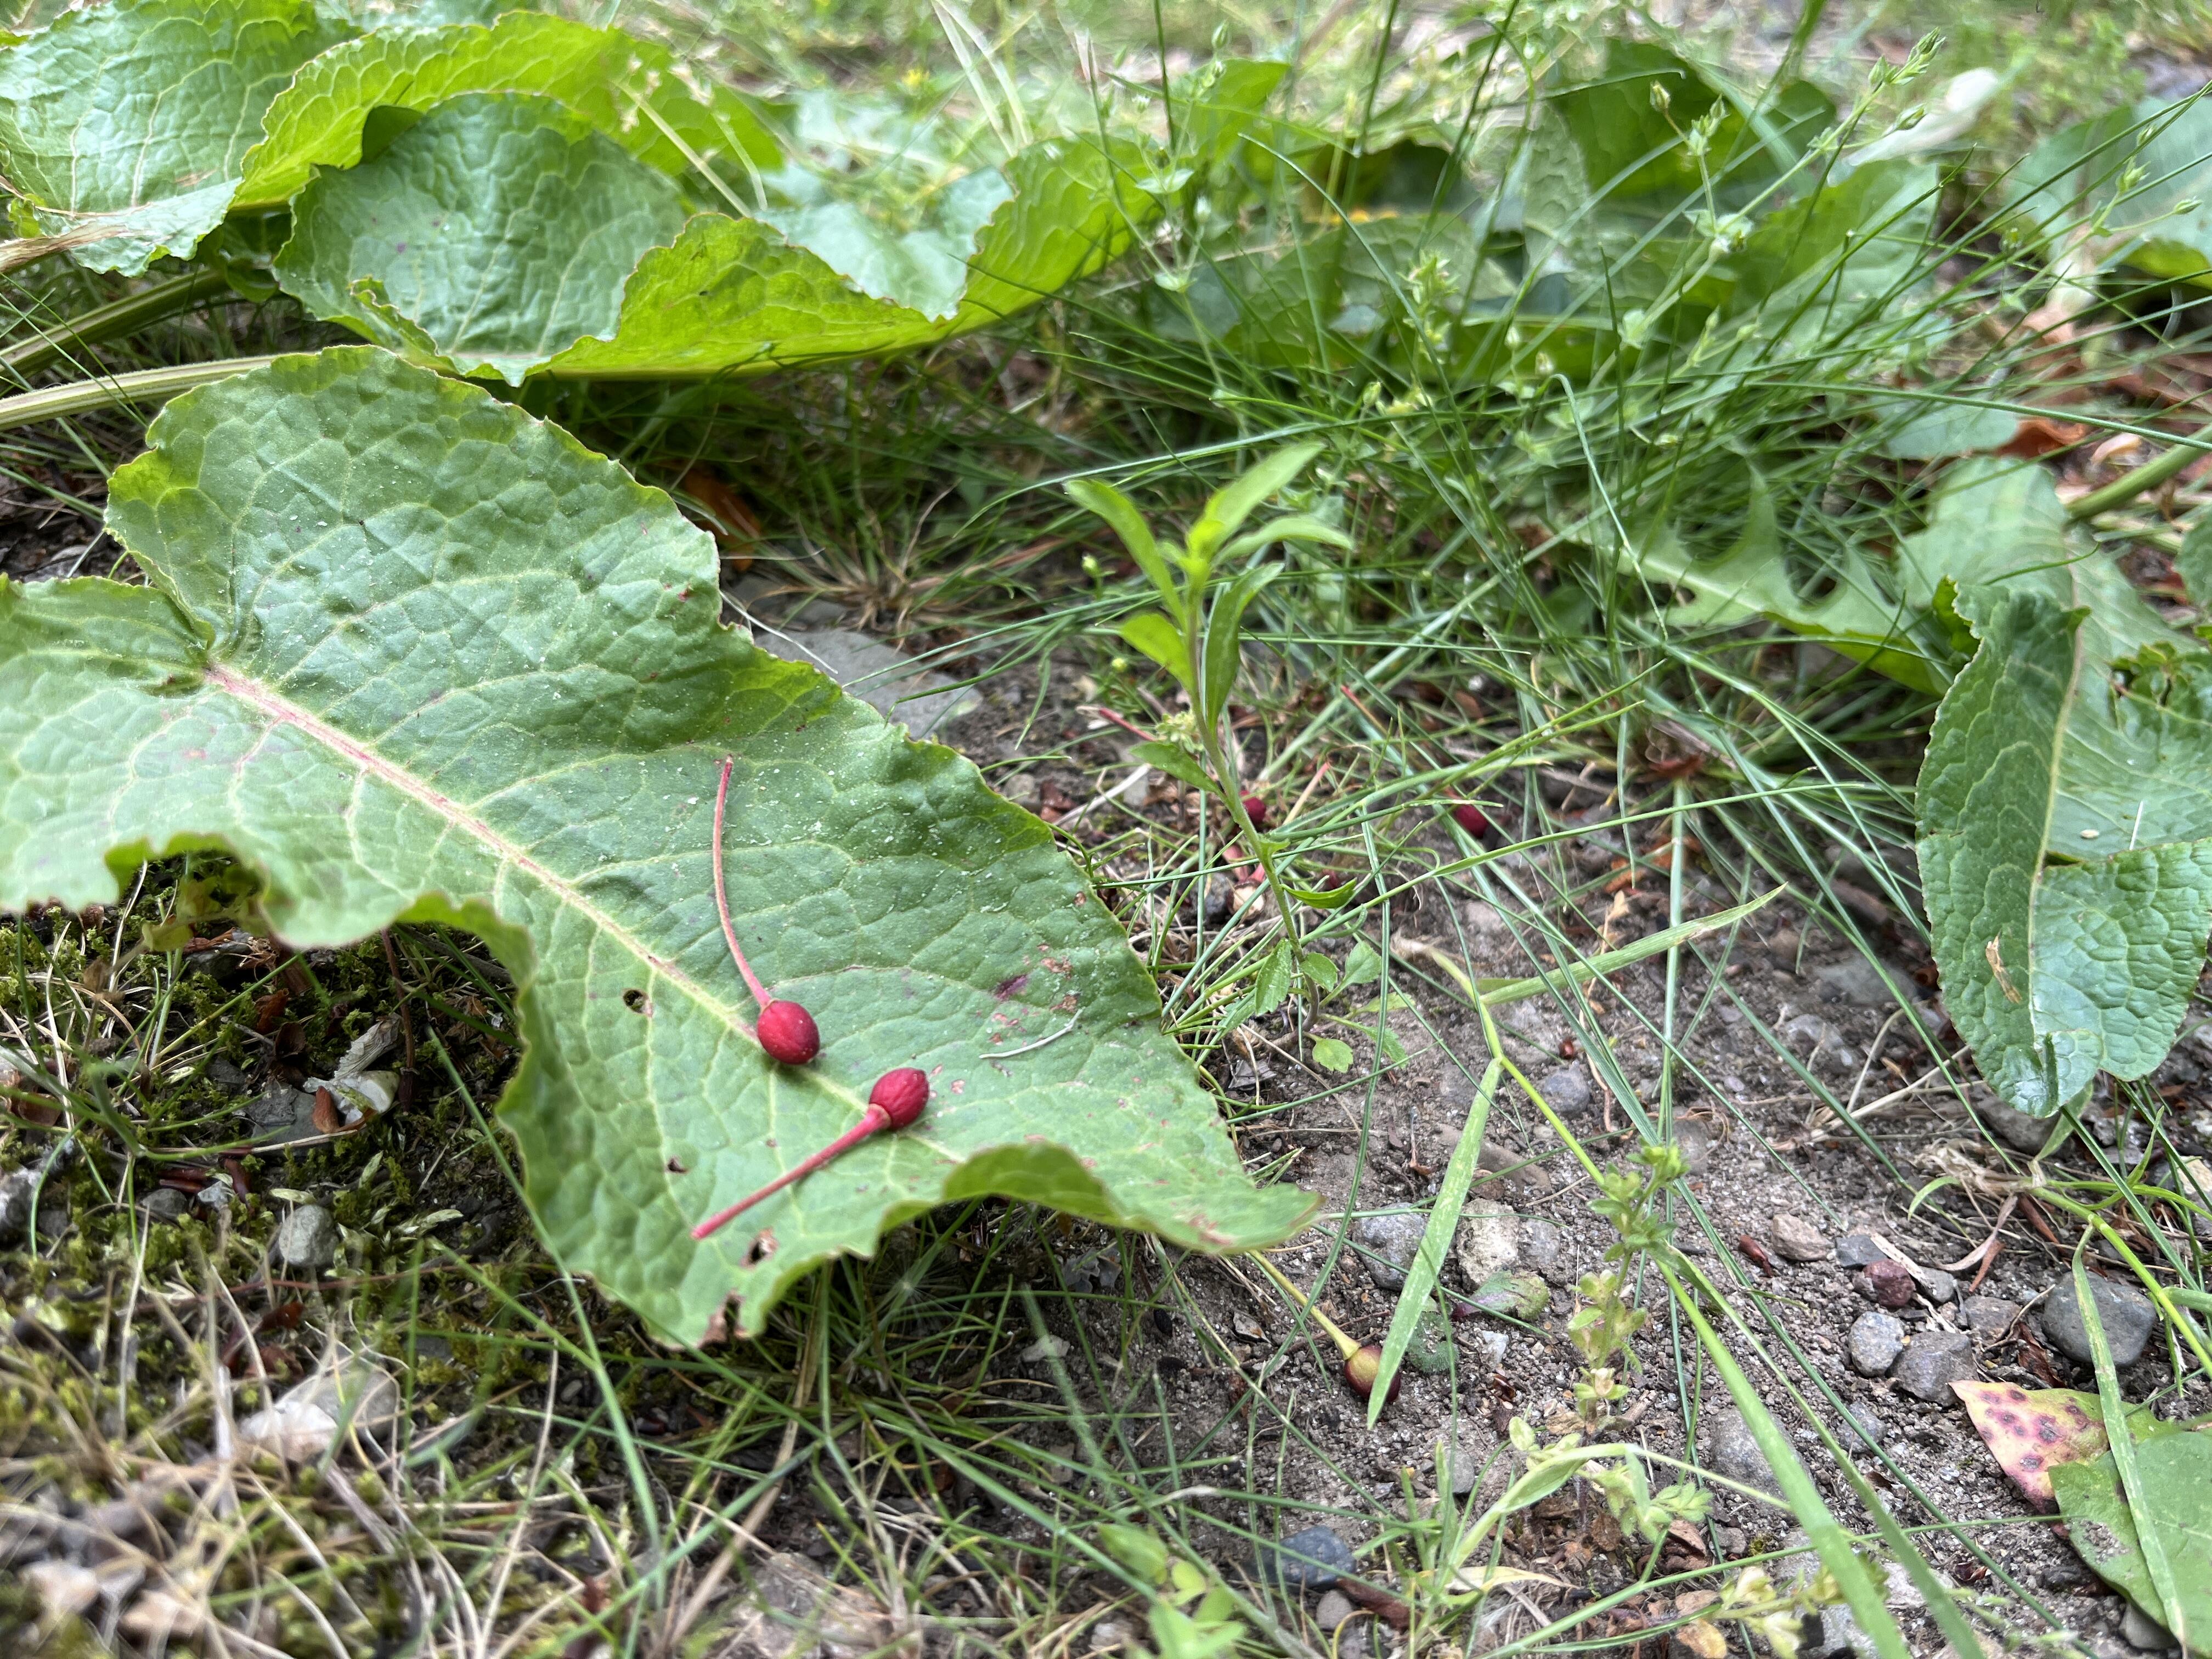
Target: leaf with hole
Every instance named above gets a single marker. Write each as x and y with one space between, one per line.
409 654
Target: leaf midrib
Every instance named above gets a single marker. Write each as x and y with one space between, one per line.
285 712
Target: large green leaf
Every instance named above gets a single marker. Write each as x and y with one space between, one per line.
2176 1471
2068 908
1751 577
493 234
408 654
128 124
732 296
2138 180
630 89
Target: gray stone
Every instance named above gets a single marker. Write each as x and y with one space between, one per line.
2018 1130
1566 1090
1387 1243
308 1238
1465 1449
1730 1452
1489 1238
1876 1338
1544 1248
1693 1138
1220 900
1025 789
1992 1315
1859 1250
2128 1315
1937 1285
1861 1425
227 1076
1490 1347
2139 1630
1332 1610
348 1394
280 1107
1858 981
875 673
1108 1635
1937 1359
1312 1559
1798 1240
1822 1041
167 1204
15 1190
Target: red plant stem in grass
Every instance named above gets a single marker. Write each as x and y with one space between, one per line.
785 1030
895 1102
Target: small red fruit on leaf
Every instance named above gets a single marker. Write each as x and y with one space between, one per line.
895 1102
901 1094
2030 1432
1470 819
785 1030
1256 809
787 1034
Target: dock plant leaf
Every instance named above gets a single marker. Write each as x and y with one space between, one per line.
127 125
491 234
410 654
630 89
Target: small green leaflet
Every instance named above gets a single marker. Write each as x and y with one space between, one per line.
410 654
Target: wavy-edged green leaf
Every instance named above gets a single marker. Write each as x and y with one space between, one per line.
497 232
128 124
630 89
734 296
2068 938
410 654
1751 579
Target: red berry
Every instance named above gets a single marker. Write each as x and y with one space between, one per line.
1256 809
901 1094
1470 819
787 1031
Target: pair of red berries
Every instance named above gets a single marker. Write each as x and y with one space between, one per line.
787 1035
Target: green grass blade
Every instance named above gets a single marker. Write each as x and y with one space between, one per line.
1495 992
2123 1459
1436 1238
1832 1542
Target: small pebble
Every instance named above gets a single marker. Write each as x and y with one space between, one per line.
1876 1338
2017 1130
1798 1240
1859 1250
1860 1423
1543 1248
1989 1315
1731 1451
1888 1283
1332 1610
1387 1244
308 1238
1566 1090
1933 1362
2128 1315
2139 1630
1312 1559
167 1204
15 1190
